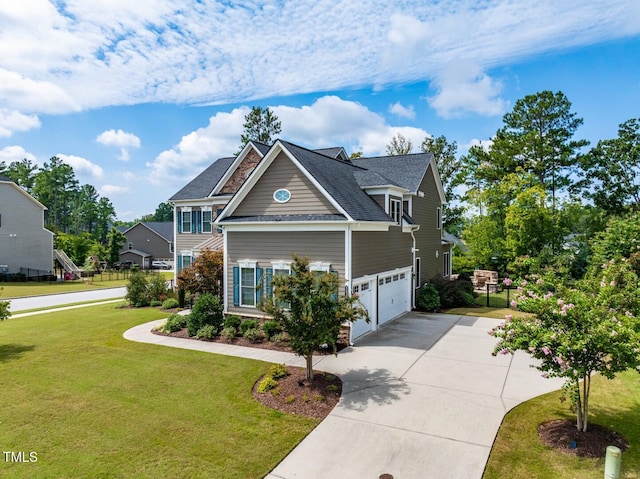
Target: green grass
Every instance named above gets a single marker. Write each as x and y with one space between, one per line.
518 453
92 404
32 288
483 311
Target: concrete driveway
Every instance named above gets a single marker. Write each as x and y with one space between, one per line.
422 398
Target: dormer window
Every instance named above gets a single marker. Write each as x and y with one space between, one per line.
395 210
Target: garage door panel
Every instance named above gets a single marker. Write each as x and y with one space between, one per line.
393 296
365 295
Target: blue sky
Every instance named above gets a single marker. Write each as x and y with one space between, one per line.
140 96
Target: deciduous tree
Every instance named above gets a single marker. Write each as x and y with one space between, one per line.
315 312
205 274
576 332
399 145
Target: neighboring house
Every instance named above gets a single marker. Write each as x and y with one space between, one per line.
376 222
147 242
25 245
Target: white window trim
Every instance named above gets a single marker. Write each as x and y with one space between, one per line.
439 217
281 265
281 201
186 254
247 264
210 222
182 212
395 201
320 266
446 262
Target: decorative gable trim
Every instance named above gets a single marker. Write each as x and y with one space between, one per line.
249 147
436 176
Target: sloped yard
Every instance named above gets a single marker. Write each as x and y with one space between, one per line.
91 404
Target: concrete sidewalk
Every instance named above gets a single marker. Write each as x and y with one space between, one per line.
422 398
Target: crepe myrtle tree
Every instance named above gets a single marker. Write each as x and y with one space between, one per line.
310 310
576 332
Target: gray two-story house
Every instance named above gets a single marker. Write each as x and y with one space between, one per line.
376 222
26 246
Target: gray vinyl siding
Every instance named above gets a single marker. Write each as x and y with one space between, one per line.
24 242
266 247
428 237
376 251
188 241
380 200
282 173
149 241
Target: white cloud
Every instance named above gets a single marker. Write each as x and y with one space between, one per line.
465 88
120 139
81 166
61 56
12 121
9 154
108 190
484 144
329 121
403 111
199 148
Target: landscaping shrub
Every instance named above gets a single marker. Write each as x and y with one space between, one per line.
280 338
208 331
156 286
137 289
454 293
278 371
229 333
271 328
248 324
206 310
267 384
174 323
253 335
170 303
233 321
428 298
155 303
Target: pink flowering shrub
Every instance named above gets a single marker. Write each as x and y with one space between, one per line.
577 331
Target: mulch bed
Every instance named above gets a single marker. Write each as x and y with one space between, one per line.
560 433
293 394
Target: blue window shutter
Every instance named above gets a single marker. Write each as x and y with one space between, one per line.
267 282
199 218
193 221
236 286
179 263
179 217
259 289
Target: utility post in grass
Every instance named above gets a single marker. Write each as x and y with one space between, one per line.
310 310
577 331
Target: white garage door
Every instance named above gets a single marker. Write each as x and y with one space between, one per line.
364 290
394 291
385 296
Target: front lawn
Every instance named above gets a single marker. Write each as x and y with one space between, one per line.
91 404
517 452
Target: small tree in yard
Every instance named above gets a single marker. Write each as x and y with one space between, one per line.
575 333
315 312
204 275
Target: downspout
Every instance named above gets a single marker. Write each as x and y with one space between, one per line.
413 268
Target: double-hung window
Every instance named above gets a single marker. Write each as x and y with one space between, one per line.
185 220
446 264
279 268
207 219
395 210
248 285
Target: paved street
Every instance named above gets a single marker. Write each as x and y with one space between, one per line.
54 300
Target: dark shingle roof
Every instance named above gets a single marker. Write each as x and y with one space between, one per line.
162 228
283 218
262 148
338 179
202 185
406 171
336 152
5 178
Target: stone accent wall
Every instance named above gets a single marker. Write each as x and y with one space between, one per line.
238 177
